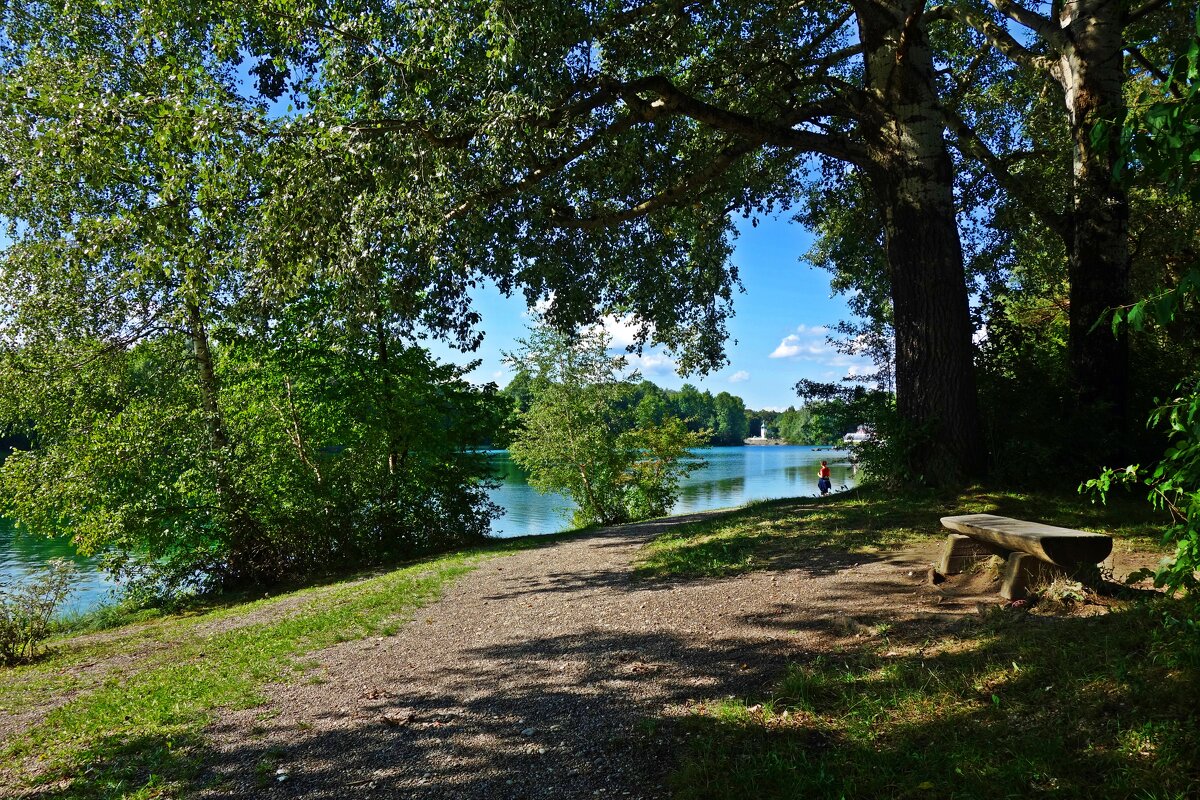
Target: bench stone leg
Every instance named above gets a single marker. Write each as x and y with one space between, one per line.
960 552
1023 571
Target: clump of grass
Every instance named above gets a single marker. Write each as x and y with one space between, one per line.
1076 708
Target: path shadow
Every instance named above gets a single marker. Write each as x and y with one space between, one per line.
549 717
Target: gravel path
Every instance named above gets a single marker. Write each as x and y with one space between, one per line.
534 675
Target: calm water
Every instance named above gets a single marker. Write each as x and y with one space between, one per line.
19 554
733 475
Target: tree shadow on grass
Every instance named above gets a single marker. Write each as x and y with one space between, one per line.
1009 707
548 717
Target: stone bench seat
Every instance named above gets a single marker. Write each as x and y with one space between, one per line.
1062 547
1034 552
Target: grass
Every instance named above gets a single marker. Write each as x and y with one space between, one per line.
1006 705
1009 707
133 728
773 534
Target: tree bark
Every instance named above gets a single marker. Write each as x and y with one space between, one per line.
912 175
1091 71
244 542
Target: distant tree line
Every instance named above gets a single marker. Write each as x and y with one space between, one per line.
720 420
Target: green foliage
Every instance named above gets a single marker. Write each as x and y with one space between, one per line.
332 459
1164 137
212 352
28 608
888 457
582 437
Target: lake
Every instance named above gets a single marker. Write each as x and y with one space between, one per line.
19 554
731 477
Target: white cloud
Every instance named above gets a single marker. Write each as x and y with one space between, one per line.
790 346
739 376
806 342
652 364
623 330
540 306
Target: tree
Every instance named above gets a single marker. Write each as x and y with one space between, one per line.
195 409
730 418
581 438
1079 49
592 155
1163 137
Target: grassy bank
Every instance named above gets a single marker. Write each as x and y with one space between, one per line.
775 533
129 706
1006 704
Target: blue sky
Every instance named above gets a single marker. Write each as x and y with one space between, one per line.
776 338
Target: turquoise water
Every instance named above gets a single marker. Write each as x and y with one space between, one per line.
732 476
20 554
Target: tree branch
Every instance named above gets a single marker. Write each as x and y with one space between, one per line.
1035 22
672 100
998 37
1177 91
548 168
677 194
970 144
1147 8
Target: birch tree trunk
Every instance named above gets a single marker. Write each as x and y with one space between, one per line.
912 175
244 543
1092 73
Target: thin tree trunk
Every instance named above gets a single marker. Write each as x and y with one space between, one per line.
242 527
388 396
913 177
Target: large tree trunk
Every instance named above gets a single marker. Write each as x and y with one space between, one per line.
913 178
1091 71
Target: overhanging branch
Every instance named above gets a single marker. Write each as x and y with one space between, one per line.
681 192
972 145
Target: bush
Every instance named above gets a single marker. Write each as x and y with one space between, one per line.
27 609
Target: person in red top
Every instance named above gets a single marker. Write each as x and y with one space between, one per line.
823 482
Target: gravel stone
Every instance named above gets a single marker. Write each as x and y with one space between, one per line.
568 638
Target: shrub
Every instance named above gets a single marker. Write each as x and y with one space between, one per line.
27 609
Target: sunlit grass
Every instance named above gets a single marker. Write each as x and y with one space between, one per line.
1008 706
1075 708
772 533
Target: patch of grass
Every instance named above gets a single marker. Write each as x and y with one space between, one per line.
1010 707
135 730
773 534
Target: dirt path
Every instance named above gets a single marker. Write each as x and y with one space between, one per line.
533 677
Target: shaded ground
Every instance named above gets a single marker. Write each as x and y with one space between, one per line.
540 674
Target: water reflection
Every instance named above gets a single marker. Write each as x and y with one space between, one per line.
731 476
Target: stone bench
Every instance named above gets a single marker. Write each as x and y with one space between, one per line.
1033 552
